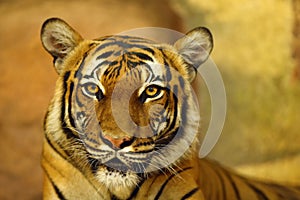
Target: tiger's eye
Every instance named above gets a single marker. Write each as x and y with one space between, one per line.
152 91
91 88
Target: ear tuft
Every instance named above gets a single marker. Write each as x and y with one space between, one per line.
58 38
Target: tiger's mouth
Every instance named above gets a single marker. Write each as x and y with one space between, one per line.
123 164
116 164
139 157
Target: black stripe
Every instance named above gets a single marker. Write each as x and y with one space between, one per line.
69 133
149 50
141 56
184 108
166 182
93 148
66 130
51 145
143 47
94 164
221 179
135 40
181 82
236 191
78 102
175 111
103 46
136 190
113 63
168 71
69 106
167 65
132 64
45 120
103 63
114 198
78 73
190 193
63 108
165 139
104 55
125 36
54 148
260 194
123 44
170 127
57 191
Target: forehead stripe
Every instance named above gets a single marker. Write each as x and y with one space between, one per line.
78 73
103 46
104 62
124 44
104 55
141 56
145 48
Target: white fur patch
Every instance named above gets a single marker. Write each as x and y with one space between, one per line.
117 182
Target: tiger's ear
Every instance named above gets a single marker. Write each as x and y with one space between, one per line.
195 48
58 38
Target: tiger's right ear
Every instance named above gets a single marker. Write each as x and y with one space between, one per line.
59 38
195 48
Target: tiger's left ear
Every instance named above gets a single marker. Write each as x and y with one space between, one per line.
195 48
59 39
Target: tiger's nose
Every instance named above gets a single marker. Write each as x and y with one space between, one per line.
119 142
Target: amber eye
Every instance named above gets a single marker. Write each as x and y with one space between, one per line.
152 91
92 90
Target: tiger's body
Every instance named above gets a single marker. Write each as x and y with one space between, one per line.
123 122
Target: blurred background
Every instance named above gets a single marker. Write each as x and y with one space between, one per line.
256 50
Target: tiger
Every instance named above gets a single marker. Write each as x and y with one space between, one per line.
124 124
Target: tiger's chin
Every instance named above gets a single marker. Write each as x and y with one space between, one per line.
119 183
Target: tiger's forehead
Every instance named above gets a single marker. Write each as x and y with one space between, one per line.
115 56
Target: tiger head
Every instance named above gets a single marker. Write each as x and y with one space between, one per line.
123 105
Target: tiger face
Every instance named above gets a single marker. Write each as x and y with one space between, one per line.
123 105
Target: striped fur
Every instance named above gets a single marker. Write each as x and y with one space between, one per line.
123 122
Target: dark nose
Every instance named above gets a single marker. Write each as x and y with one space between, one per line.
119 142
